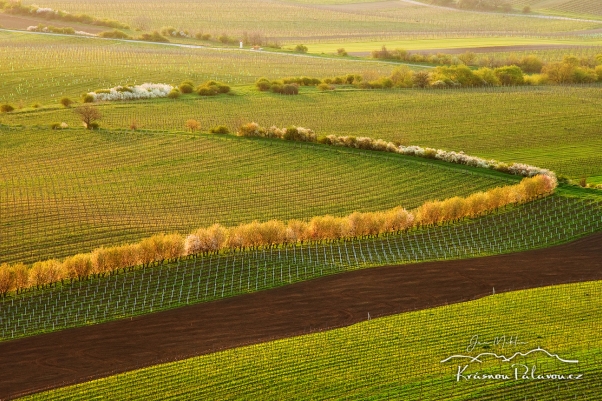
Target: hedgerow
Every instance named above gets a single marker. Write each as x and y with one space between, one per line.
216 238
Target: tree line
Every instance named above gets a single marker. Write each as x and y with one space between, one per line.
217 238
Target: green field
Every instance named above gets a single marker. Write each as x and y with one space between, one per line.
551 127
75 190
143 172
395 357
550 221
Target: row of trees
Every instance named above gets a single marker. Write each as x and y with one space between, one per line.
161 247
529 64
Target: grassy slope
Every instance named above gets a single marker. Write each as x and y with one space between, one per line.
397 356
74 190
550 221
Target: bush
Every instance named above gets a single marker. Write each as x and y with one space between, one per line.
526 9
186 87
88 98
325 87
193 125
207 91
65 101
290 89
93 126
510 75
153 37
301 49
341 52
174 94
263 84
599 72
212 88
220 129
114 34
531 64
55 126
6 108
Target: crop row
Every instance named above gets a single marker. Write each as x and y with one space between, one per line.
538 224
395 357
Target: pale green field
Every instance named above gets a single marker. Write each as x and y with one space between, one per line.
396 357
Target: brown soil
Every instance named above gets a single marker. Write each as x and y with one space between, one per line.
77 355
9 21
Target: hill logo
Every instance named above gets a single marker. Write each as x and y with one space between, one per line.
517 371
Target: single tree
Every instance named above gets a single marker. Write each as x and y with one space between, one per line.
89 115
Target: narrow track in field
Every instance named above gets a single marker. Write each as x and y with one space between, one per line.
71 356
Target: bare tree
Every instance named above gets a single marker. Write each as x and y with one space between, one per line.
89 115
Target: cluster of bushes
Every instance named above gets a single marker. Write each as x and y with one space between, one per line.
148 37
211 88
570 70
290 85
15 7
134 92
162 247
153 37
292 133
173 32
277 86
50 28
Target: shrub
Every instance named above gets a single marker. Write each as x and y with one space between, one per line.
510 75
341 52
599 72
290 89
207 91
584 75
153 37
173 94
219 129
531 64
88 98
301 49
6 108
55 126
325 87
93 126
421 79
186 87
193 125
65 101
526 9
114 34
263 84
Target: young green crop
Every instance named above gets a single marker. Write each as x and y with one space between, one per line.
396 357
76 190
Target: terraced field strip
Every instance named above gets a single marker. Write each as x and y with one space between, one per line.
539 224
72 191
561 322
